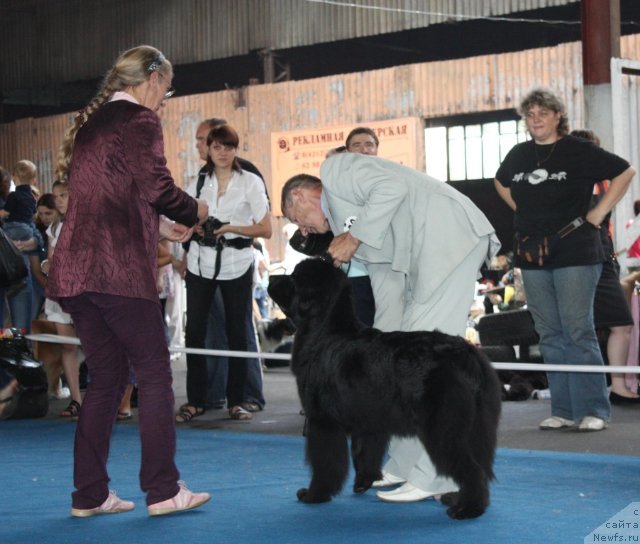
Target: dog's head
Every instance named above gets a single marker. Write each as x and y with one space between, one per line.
311 291
272 332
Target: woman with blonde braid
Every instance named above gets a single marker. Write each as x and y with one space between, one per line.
103 274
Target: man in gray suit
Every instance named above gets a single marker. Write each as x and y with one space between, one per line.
422 243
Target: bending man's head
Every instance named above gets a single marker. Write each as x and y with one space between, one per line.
300 204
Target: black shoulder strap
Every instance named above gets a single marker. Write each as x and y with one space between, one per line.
200 182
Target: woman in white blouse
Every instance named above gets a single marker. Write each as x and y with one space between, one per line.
220 255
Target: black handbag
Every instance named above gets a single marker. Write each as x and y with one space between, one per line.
12 266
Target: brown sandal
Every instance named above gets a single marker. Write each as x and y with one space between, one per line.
185 414
239 413
73 410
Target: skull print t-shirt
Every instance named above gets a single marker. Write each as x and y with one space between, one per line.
552 185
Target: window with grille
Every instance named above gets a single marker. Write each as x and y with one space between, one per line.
471 147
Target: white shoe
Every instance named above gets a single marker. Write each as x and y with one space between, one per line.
387 480
556 422
591 423
405 493
184 500
113 505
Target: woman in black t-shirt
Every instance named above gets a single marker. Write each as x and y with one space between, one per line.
548 182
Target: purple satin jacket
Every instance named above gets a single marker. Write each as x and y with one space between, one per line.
119 184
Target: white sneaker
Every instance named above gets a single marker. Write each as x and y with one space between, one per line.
184 500
388 480
113 505
556 422
591 423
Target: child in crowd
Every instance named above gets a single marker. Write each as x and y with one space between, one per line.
18 212
54 313
20 206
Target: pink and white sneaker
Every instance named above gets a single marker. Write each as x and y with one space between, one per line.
184 500
113 505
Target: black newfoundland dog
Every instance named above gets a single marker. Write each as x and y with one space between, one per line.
372 384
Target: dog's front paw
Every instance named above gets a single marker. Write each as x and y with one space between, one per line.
360 488
450 499
465 511
307 496
363 483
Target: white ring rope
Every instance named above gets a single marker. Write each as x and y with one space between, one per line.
56 339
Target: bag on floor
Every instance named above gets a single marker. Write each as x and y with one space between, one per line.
17 360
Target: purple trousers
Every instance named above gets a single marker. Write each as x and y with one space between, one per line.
116 331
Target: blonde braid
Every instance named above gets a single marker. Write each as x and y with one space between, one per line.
109 86
130 69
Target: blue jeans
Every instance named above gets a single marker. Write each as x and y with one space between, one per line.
561 302
217 367
20 304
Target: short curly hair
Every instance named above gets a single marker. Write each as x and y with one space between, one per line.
546 98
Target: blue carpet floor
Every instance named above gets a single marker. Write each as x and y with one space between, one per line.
539 497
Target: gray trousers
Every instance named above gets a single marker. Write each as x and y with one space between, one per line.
447 310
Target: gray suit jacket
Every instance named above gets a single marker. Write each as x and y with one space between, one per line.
419 225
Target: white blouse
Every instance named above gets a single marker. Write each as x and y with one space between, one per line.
243 204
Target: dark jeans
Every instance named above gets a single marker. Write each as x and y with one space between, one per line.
116 331
19 304
236 298
363 301
218 367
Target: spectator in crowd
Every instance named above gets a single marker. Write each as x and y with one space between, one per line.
63 321
548 182
261 265
174 308
46 214
362 140
633 240
20 205
218 366
104 274
221 256
18 214
611 309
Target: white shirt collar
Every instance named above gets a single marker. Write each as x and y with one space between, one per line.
121 95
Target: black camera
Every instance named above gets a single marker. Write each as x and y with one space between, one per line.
209 239
313 244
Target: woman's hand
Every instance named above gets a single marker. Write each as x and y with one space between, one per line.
224 229
175 232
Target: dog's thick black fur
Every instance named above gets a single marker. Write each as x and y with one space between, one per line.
372 384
